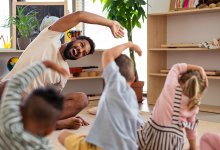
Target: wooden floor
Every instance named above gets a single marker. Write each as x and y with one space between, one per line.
204 125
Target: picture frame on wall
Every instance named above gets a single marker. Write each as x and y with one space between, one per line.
176 5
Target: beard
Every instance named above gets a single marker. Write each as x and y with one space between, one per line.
67 52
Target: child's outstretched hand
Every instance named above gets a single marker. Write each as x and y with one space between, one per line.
136 48
55 67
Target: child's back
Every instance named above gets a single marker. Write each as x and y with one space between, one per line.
170 114
118 117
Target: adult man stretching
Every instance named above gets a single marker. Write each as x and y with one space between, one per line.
47 46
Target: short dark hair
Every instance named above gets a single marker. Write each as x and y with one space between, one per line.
91 43
126 67
44 105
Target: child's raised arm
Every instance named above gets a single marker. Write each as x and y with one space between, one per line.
111 54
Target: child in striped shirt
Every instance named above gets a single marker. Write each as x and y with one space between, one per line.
175 110
23 126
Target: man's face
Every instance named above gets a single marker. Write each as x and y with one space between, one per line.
78 49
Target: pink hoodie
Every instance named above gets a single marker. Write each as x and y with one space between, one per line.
163 110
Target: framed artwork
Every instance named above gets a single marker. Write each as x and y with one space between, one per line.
176 5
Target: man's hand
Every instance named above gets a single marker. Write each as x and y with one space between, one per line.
55 67
117 30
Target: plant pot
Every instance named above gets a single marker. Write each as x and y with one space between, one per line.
23 43
138 89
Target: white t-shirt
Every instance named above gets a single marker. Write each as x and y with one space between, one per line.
44 47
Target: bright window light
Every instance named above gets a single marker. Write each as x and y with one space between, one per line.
103 38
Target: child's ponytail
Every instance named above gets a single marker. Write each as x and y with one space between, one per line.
194 92
193 86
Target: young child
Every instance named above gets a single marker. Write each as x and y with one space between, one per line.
117 117
175 109
210 141
23 126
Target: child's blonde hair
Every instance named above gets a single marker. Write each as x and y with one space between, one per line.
193 86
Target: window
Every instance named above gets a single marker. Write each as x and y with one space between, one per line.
4 11
104 39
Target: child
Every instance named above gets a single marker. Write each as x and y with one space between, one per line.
210 141
176 108
117 117
24 126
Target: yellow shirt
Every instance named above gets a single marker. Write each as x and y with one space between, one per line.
77 142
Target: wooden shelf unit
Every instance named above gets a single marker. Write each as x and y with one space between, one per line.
11 51
157 57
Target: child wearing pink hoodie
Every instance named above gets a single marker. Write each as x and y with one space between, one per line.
175 109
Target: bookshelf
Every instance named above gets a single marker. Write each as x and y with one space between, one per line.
176 27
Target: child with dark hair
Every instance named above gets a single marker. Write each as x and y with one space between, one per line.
118 116
24 126
175 109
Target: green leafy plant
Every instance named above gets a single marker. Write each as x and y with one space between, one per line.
25 23
128 13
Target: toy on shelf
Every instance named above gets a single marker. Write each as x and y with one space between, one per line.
11 62
208 4
78 71
73 34
7 43
214 44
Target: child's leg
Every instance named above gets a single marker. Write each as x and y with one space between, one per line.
210 141
73 103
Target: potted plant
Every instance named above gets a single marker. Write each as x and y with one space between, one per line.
26 24
128 13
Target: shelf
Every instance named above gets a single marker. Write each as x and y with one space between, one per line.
158 74
3 50
90 98
84 78
182 49
209 108
164 75
190 11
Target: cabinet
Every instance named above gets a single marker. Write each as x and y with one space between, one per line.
189 26
58 9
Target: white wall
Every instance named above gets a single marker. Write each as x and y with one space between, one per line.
157 6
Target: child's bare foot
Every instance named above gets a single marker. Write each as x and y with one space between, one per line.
71 123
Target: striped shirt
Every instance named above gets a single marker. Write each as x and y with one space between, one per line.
12 133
